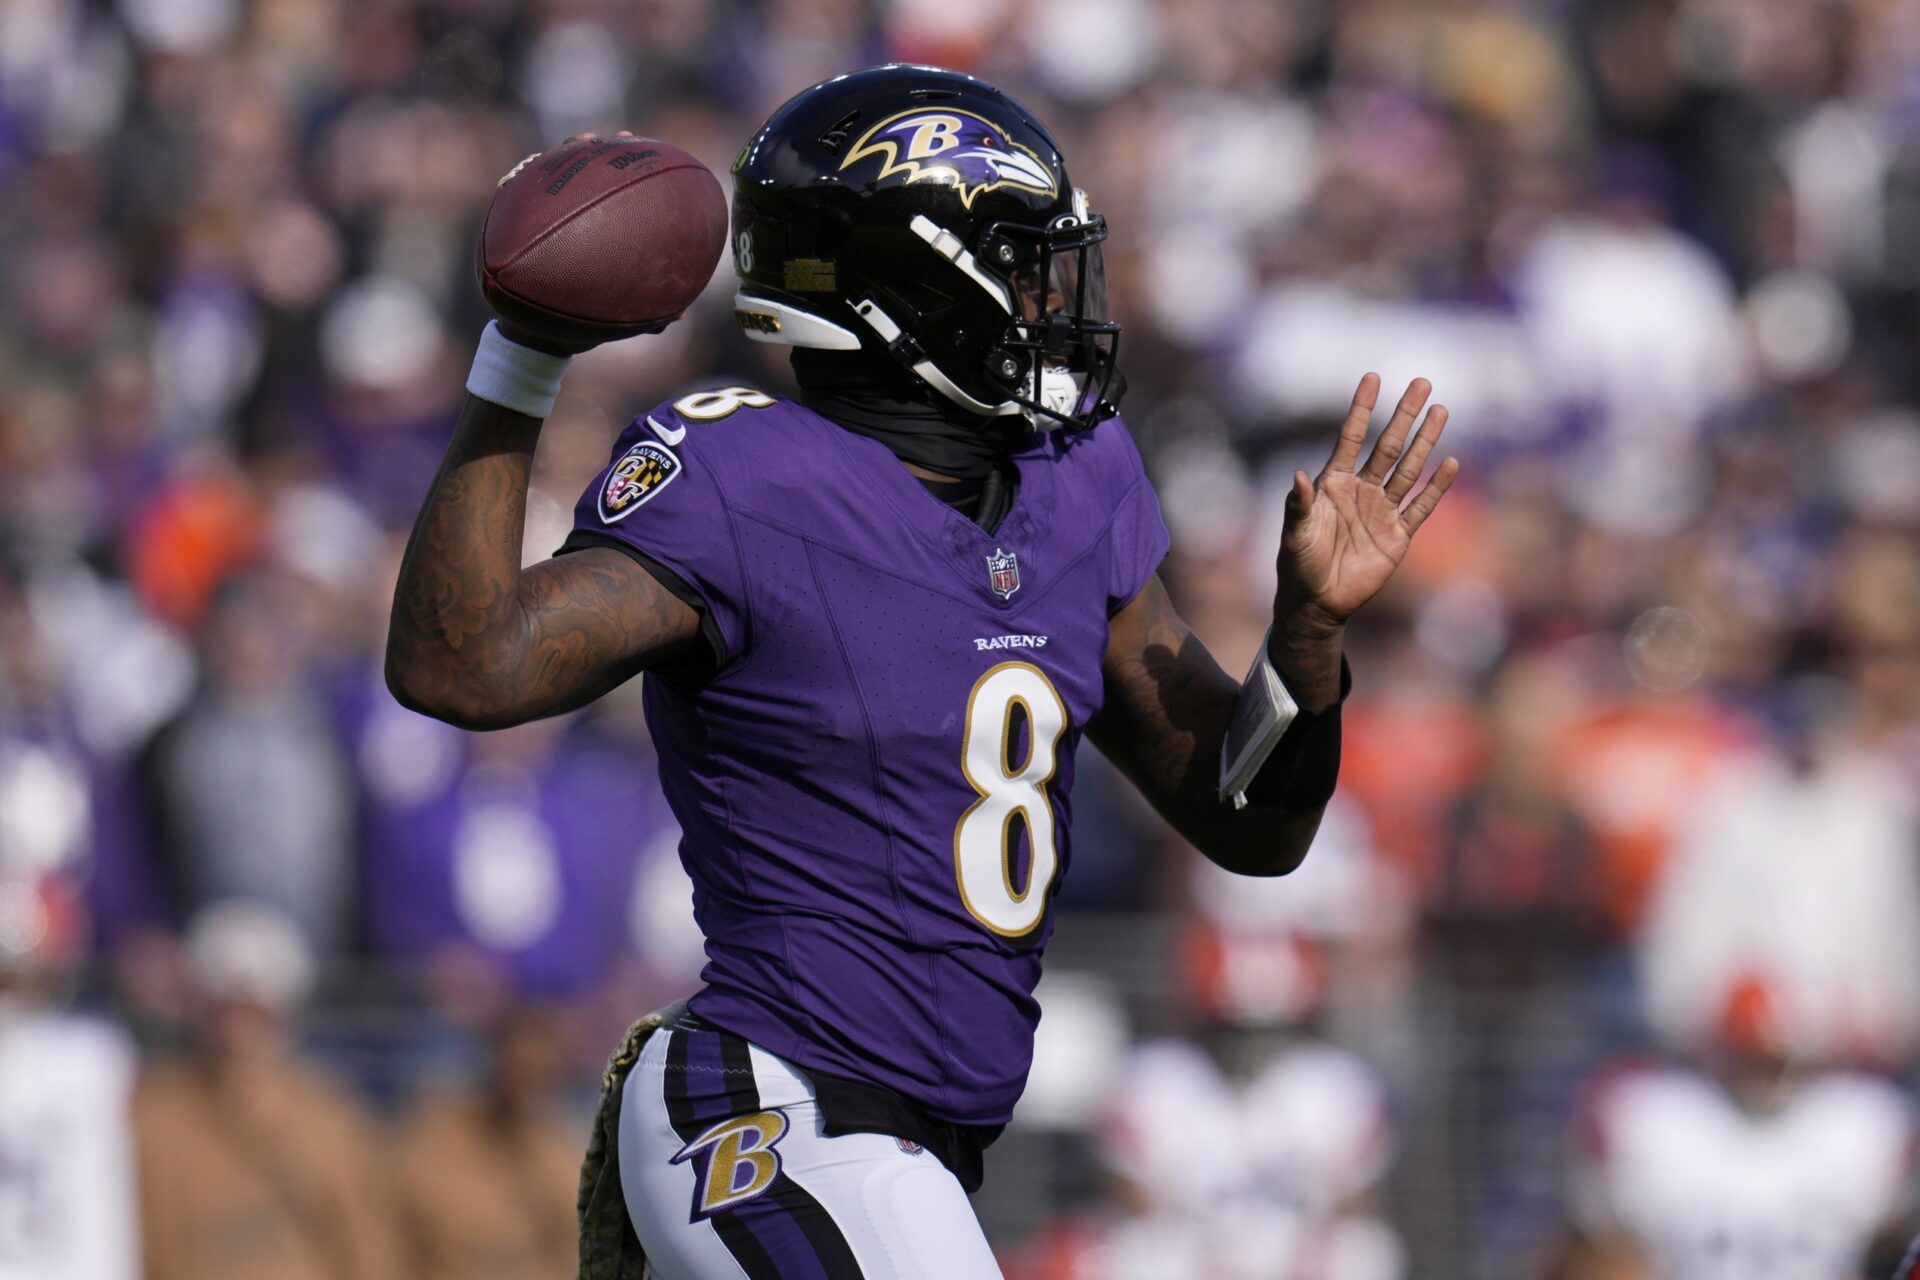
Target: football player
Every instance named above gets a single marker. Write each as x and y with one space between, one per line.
1758 1163
876 622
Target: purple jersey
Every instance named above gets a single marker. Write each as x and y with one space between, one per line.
874 783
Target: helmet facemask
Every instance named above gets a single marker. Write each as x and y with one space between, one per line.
1062 338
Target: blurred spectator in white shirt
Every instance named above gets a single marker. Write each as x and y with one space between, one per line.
1800 867
1753 1161
66 1083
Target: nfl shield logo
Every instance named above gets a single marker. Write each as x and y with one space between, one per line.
1003 573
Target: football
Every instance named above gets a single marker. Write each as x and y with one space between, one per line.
601 238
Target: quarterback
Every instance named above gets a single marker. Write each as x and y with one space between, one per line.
876 622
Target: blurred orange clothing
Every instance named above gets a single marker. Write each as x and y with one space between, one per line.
1408 759
285 1185
189 538
488 1198
1631 773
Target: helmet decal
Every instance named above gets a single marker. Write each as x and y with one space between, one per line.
962 150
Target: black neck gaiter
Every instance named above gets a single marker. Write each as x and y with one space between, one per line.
872 398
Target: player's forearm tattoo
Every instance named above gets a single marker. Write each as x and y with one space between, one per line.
1308 660
477 641
1168 705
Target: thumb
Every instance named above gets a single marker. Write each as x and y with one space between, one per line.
1299 500
1298 507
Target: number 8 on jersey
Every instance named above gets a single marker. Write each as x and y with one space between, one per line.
982 840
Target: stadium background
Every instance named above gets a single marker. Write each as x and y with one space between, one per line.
1637 727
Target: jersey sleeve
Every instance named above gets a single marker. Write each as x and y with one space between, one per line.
663 504
1139 534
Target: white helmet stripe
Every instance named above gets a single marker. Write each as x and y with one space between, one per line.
883 324
765 320
949 246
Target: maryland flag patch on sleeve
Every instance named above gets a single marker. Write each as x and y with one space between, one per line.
640 472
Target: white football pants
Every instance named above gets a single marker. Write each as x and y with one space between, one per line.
726 1173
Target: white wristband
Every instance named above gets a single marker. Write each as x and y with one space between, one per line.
1260 719
515 377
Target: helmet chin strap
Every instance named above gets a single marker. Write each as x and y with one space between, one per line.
926 370
1059 393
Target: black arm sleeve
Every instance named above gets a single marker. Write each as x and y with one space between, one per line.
1300 775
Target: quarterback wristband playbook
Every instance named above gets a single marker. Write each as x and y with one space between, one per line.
1275 755
515 377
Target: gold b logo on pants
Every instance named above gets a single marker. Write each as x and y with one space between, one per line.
739 1161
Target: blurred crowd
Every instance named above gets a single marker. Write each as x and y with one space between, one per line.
1605 965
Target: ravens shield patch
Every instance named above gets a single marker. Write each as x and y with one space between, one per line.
641 472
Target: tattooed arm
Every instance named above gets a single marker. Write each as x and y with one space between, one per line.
1167 708
481 643
1168 704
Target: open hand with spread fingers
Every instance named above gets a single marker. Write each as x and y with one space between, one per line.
1348 529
